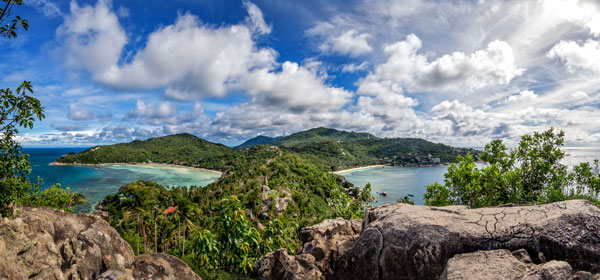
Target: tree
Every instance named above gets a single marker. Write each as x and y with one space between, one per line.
19 109
530 173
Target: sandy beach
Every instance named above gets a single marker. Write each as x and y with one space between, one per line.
142 164
339 172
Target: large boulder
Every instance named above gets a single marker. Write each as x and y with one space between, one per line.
323 243
161 267
43 243
402 241
502 265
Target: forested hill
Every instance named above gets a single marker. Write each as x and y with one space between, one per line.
183 149
330 149
334 149
258 140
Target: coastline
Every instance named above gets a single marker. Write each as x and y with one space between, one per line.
339 172
138 163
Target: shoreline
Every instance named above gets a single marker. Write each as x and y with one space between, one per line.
139 163
339 172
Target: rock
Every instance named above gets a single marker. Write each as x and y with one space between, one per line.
581 275
502 265
417 241
492 265
280 265
522 256
329 239
43 243
323 242
162 267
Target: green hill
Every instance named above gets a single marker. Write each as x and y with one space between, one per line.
334 149
328 148
258 206
258 140
321 134
184 149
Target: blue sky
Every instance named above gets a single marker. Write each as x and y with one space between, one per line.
458 72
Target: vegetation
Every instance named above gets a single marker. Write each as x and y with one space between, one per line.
256 207
183 149
19 109
530 173
330 149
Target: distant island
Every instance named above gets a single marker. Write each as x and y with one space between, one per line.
330 149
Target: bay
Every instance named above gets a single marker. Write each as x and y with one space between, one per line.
95 182
398 182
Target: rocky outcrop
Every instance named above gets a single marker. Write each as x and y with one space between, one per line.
502 265
161 266
323 243
43 243
402 241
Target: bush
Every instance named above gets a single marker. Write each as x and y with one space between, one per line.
530 173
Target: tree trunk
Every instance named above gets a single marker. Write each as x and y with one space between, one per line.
155 235
183 250
137 243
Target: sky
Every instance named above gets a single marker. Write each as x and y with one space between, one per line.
456 72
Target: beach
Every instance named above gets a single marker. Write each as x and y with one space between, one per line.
339 172
141 164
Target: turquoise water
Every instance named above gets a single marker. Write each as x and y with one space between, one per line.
397 181
400 181
95 182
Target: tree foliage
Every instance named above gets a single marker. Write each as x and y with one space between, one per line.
227 225
19 109
530 173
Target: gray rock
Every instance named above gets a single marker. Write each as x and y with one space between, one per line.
492 265
502 265
44 243
522 256
162 267
414 242
323 242
280 265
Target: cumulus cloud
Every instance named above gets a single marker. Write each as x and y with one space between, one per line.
456 71
93 38
296 88
188 59
348 43
523 96
577 56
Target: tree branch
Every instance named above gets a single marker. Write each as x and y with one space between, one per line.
4 11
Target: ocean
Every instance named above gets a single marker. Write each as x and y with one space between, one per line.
397 182
95 182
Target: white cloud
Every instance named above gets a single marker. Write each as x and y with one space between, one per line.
296 88
93 38
162 110
48 8
456 71
188 59
348 43
353 67
255 19
523 96
575 56
79 114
